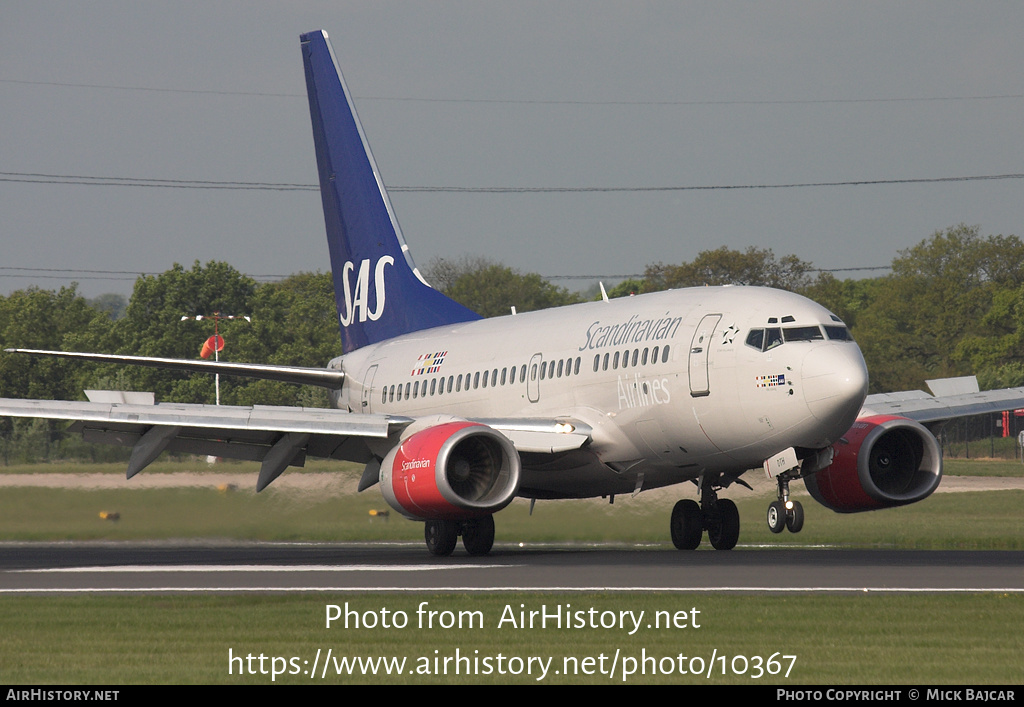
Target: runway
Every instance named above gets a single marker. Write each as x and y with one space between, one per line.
188 567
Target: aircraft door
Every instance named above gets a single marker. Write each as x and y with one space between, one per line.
699 349
533 378
368 387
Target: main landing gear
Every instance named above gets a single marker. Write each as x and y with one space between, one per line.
477 535
785 513
718 516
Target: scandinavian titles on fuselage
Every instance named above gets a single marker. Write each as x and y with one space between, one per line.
633 331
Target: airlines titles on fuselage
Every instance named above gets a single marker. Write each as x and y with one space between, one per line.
642 391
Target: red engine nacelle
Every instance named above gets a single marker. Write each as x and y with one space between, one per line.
451 470
883 461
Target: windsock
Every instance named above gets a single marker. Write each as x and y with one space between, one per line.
214 343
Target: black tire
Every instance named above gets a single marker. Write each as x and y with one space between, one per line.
441 537
724 525
686 525
795 518
478 535
777 517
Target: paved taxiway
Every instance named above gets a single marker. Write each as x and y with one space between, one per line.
286 567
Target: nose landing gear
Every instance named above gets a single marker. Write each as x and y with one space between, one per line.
785 513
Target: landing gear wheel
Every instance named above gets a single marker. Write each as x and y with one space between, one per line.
478 535
724 525
795 518
441 537
687 526
777 517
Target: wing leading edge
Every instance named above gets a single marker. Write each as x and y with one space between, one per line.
323 377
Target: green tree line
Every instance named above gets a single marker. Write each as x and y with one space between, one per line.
953 304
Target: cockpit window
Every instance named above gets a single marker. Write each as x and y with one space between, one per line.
803 333
755 339
838 333
768 339
764 339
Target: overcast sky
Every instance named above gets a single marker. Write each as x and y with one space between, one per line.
508 94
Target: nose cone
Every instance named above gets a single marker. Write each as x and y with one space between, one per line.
834 382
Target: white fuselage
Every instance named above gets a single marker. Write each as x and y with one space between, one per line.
673 384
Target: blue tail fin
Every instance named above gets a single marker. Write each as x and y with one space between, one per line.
379 291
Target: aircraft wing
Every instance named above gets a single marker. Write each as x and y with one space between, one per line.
924 408
277 437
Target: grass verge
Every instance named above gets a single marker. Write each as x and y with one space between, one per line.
977 520
837 639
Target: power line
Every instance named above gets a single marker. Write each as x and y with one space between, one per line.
88 180
130 275
80 180
529 101
79 274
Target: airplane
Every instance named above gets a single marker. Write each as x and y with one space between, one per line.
454 416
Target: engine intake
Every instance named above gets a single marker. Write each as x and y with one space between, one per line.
452 470
883 461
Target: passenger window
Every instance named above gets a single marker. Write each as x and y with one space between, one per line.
615 362
576 368
654 355
433 386
485 378
664 355
643 358
476 380
560 364
597 362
